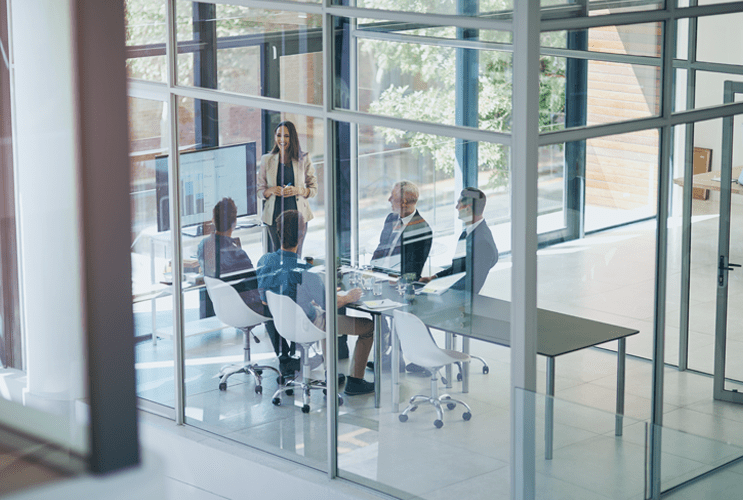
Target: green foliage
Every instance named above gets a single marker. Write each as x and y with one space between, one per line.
431 98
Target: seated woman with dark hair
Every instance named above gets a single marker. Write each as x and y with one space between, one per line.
221 255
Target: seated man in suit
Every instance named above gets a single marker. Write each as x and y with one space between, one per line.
404 243
476 252
219 254
406 237
282 272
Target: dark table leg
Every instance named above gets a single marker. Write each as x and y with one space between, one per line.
549 417
621 358
377 359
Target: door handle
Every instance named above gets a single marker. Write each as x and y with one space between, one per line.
722 268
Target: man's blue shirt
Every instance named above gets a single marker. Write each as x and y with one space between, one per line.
280 272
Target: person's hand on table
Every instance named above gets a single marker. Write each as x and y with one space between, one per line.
426 279
353 295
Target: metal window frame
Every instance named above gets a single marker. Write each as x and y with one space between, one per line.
525 182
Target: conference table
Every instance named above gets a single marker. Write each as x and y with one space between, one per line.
485 318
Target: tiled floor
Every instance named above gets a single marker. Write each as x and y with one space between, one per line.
606 277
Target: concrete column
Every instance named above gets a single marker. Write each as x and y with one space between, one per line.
48 203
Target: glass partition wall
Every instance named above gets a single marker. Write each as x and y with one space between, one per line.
410 115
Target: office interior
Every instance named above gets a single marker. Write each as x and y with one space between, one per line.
635 99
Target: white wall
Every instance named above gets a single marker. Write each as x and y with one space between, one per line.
48 208
717 41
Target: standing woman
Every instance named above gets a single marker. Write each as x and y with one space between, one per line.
286 180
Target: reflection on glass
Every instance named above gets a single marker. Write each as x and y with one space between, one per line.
419 81
433 246
622 7
146 33
621 179
226 47
495 8
151 256
223 237
551 189
633 39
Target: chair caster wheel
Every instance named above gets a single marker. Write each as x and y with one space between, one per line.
438 423
451 406
289 392
444 381
403 418
258 389
459 377
276 401
485 370
258 371
413 408
340 400
223 386
466 415
305 408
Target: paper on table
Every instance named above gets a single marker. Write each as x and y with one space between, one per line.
382 304
440 285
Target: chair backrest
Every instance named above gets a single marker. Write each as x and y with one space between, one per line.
416 341
291 321
229 306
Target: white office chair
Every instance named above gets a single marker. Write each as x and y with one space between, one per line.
232 310
420 348
293 324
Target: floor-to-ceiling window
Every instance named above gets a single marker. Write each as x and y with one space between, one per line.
427 99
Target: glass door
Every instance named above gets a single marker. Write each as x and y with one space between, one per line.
728 374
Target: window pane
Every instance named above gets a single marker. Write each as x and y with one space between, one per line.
146 33
230 242
374 446
250 51
621 179
151 254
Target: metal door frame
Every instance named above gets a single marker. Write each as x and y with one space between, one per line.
724 266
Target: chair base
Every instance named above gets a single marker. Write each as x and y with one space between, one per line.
450 402
435 400
485 367
249 368
305 384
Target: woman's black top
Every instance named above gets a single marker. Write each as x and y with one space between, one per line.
284 176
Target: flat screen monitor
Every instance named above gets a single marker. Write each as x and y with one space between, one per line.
207 176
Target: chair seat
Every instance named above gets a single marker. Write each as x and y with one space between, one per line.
436 359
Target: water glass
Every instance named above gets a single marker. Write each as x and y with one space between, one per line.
401 284
378 287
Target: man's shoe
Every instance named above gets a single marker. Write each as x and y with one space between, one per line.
413 368
289 367
341 378
356 386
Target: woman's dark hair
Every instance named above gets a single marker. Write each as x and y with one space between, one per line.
295 151
224 214
287 225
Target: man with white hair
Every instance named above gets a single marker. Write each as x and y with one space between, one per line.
403 245
406 237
